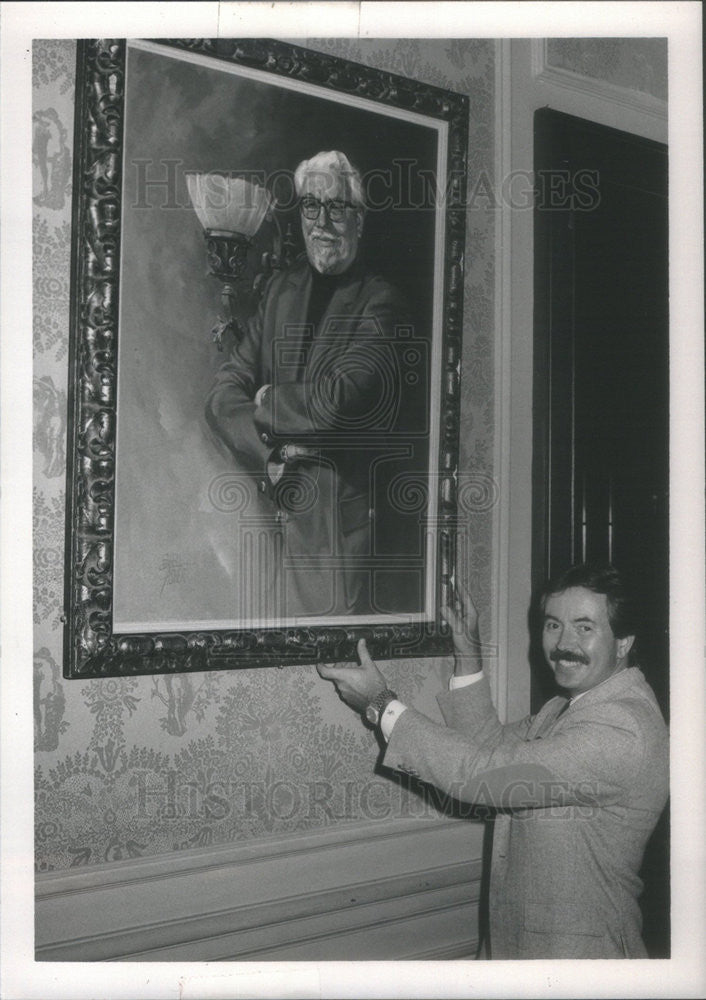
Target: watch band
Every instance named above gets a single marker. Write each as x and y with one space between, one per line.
378 705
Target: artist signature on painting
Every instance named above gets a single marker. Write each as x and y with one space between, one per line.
174 569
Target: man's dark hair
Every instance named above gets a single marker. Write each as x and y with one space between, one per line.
601 579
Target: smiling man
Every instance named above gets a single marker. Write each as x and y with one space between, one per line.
579 641
578 788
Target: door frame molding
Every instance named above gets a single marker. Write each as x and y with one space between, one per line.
523 83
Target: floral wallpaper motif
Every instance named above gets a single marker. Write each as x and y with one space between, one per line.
129 767
634 63
51 157
184 696
49 429
49 701
48 557
54 62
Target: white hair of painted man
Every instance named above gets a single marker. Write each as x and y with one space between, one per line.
332 164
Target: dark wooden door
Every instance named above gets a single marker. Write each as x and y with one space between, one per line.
601 435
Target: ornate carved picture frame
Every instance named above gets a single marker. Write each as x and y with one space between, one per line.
169 543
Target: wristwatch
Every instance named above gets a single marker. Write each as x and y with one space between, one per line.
378 705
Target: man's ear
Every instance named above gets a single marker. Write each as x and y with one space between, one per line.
359 220
625 645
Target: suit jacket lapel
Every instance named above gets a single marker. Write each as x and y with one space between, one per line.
337 324
543 722
343 300
295 300
293 308
290 324
548 715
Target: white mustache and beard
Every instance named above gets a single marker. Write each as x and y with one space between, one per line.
329 254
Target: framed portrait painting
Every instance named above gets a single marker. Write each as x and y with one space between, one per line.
262 451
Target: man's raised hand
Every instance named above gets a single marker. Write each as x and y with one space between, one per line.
357 685
463 621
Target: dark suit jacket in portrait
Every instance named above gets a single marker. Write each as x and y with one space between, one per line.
578 790
343 386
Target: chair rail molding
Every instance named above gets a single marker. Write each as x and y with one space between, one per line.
402 890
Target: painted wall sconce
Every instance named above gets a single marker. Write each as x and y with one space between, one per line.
232 211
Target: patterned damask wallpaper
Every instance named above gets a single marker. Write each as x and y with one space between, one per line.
145 765
634 63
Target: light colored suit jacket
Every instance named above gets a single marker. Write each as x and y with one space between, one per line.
578 789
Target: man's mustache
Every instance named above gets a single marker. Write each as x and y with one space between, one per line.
567 656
